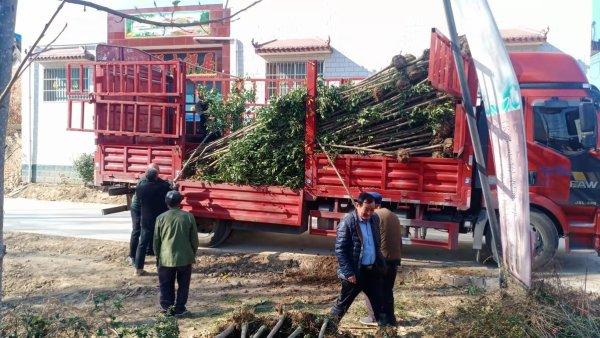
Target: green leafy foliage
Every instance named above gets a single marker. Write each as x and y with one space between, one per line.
270 154
84 166
225 115
392 112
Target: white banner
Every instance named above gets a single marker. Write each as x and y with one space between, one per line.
501 96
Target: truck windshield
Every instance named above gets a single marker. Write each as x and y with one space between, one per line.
559 128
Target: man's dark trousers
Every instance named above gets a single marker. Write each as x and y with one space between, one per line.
369 282
166 280
135 233
387 301
389 279
146 237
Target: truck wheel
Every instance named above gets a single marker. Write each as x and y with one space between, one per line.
212 233
545 241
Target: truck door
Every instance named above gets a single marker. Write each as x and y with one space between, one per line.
570 128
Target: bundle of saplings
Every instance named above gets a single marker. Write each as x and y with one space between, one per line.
394 112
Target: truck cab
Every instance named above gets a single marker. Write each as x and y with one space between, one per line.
561 117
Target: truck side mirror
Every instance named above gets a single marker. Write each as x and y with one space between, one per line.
587 117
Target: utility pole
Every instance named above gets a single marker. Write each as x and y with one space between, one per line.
8 14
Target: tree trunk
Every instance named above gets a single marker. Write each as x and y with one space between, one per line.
8 13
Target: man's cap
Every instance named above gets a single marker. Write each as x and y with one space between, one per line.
377 197
365 197
173 198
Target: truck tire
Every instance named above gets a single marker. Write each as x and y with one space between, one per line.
545 241
213 235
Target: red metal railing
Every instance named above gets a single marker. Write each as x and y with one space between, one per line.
139 79
442 71
131 98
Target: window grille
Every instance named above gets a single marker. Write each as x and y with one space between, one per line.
287 70
55 83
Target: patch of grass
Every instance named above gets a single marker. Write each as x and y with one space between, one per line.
213 312
264 306
474 290
546 310
102 320
229 298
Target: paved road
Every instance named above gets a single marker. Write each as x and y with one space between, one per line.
84 220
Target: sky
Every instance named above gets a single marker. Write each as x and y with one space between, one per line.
569 22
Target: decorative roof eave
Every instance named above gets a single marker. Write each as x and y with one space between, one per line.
295 46
69 58
525 40
526 37
66 54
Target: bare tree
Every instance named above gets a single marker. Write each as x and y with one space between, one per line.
8 14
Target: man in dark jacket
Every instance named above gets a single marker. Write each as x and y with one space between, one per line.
151 196
391 247
175 245
357 248
136 218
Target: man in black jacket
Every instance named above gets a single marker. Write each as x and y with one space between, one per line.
151 196
136 225
360 262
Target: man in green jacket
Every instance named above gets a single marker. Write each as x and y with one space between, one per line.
175 246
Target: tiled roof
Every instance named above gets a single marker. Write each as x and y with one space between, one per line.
66 53
519 35
292 46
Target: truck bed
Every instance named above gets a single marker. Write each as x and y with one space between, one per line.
420 180
267 205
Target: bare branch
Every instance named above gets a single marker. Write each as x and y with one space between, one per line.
35 55
157 23
30 52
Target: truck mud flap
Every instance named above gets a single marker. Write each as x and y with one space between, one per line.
114 210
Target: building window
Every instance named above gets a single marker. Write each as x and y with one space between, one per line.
287 75
55 83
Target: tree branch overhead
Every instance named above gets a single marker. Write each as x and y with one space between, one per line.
157 23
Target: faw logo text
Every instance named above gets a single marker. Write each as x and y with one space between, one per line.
584 184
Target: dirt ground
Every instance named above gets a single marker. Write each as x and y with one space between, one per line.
64 192
66 273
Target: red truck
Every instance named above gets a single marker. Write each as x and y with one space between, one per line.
142 110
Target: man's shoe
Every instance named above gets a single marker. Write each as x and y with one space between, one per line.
368 321
139 272
129 261
181 314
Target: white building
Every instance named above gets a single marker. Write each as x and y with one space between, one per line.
273 39
48 148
